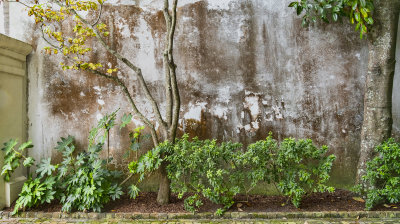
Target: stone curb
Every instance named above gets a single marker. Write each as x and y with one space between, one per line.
206 215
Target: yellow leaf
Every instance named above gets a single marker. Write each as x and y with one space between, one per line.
358 199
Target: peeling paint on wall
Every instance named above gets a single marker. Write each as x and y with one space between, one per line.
245 68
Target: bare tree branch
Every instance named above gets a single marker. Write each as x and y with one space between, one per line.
135 109
137 70
98 17
47 41
175 89
168 90
20 3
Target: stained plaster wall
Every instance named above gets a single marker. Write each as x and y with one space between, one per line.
245 68
396 92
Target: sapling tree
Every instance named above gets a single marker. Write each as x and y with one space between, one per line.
76 46
377 19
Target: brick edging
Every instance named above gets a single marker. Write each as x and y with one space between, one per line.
205 215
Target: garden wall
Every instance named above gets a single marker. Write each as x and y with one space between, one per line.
396 92
245 68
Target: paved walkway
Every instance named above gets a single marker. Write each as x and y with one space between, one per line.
216 221
358 217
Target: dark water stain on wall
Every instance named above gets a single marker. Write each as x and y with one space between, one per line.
277 73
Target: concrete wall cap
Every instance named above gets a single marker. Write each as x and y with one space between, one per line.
15 45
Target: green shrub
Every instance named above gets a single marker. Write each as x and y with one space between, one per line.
202 168
302 168
38 190
220 171
81 181
383 175
257 163
85 183
296 168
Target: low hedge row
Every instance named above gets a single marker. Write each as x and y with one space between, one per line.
83 180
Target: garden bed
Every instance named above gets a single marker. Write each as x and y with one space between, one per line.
340 200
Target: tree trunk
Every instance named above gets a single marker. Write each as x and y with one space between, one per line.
164 191
172 94
377 123
164 188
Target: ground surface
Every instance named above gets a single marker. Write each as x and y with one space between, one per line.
341 200
276 221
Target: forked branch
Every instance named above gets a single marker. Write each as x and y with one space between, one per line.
172 69
135 109
168 88
137 70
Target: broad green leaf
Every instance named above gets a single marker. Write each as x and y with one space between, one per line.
45 167
126 119
64 143
28 162
25 145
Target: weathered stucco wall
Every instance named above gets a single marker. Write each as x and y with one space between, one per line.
245 68
396 92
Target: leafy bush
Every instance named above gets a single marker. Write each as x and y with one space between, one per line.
219 172
81 181
296 168
258 164
39 190
302 169
383 175
204 168
84 181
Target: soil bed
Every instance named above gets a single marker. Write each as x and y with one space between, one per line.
340 200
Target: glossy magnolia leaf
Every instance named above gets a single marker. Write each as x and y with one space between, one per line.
358 11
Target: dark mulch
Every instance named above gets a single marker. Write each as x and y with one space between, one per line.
340 200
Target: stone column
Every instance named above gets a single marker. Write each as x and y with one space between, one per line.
13 101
